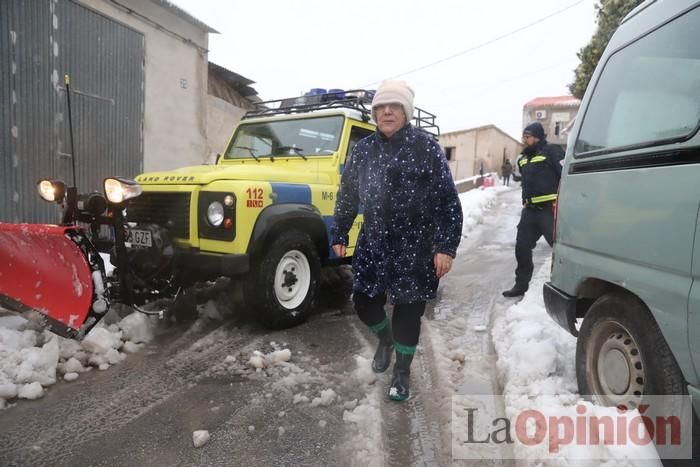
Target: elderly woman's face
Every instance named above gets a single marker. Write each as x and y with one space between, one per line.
390 118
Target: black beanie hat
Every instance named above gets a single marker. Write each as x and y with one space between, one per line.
535 129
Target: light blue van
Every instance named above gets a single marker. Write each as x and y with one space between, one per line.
627 253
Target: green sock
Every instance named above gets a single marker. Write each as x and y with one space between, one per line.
378 327
405 349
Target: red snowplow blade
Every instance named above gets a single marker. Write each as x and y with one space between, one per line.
42 269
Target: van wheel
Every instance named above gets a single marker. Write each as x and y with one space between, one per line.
621 354
285 281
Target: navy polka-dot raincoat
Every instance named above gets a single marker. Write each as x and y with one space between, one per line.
404 188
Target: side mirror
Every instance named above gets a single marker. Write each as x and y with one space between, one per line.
218 158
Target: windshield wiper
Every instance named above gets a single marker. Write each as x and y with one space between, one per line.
298 151
250 150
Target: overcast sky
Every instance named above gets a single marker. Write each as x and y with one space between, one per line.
288 47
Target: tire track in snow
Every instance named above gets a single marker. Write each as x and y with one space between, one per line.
182 363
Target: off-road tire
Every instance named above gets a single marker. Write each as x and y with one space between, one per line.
284 282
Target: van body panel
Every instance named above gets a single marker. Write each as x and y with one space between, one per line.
655 226
694 304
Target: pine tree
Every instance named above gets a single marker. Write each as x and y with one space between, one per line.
610 15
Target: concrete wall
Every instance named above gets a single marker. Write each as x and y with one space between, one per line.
487 145
222 118
175 82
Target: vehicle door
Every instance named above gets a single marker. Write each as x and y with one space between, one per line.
356 134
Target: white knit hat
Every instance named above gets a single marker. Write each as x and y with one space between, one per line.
394 92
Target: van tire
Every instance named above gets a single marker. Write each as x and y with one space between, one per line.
621 354
283 284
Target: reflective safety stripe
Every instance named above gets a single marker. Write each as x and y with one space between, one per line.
543 198
538 158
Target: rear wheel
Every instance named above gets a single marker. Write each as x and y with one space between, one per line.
284 283
622 357
621 354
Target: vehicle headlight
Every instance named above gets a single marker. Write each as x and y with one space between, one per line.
215 213
52 190
118 190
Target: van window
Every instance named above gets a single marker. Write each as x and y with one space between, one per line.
648 93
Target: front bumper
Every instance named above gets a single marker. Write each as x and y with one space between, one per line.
212 265
561 307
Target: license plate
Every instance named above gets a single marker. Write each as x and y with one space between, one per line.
139 238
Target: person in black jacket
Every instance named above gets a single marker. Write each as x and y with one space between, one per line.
540 170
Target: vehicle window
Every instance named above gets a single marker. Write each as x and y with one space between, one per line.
648 92
307 136
356 134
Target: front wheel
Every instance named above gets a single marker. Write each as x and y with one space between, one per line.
284 283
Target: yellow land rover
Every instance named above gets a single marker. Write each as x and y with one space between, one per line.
263 212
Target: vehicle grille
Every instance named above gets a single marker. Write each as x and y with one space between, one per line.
169 210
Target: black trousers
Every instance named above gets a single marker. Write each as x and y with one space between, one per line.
535 221
405 321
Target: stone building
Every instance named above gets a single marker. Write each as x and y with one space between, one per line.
554 113
485 147
140 95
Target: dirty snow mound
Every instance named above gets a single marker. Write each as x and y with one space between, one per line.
32 358
327 398
200 438
364 374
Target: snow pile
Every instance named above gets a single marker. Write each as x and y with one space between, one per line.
32 359
259 360
200 438
537 370
474 202
365 424
327 398
363 373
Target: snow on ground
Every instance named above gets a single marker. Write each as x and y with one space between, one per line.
476 202
535 365
537 371
32 359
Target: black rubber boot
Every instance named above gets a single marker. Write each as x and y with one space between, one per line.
399 390
385 347
516 291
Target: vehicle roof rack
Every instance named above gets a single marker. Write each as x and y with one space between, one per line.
354 99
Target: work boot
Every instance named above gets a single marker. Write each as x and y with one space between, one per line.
382 357
399 391
516 291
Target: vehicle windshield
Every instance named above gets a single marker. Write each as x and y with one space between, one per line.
286 138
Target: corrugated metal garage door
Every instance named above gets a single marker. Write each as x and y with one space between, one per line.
45 40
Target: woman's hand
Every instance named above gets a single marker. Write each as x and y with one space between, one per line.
443 264
339 250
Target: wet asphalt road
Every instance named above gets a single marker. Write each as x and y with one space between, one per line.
143 411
